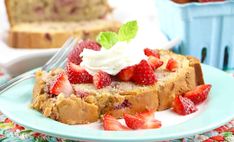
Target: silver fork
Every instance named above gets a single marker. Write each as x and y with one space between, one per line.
58 60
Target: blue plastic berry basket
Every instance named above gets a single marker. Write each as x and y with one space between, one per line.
206 29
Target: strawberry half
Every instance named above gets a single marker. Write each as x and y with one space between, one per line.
112 124
155 62
144 74
144 120
101 80
74 55
172 65
149 52
126 74
183 106
199 94
61 84
77 74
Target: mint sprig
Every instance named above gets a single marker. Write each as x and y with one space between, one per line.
107 39
126 32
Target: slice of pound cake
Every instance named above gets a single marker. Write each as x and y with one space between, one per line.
48 23
115 77
55 10
54 34
87 103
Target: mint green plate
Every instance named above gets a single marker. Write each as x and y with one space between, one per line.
216 111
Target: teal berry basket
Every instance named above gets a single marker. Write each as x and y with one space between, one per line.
206 30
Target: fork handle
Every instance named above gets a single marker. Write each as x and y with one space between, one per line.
15 81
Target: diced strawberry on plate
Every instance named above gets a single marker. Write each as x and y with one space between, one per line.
61 84
112 124
150 52
74 55
101 80
144 74
126 73
77 74
144 120
199 94
183 106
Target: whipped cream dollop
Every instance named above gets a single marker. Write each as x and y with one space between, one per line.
112 60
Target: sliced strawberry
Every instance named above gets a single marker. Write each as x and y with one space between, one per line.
172 65
112 124
61 84
150 52
155 62
199 94
74 55
126 74
144 74
133 122
144 120
77 74
183 106
101 80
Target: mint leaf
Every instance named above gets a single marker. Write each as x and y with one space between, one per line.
128 31
107 39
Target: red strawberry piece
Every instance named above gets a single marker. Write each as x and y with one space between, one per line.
155 62
126 74
199 94
150 52
144 74
74 55
77 74
144 120
112 124
61 84
183 106
101 80
171 65
218 138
